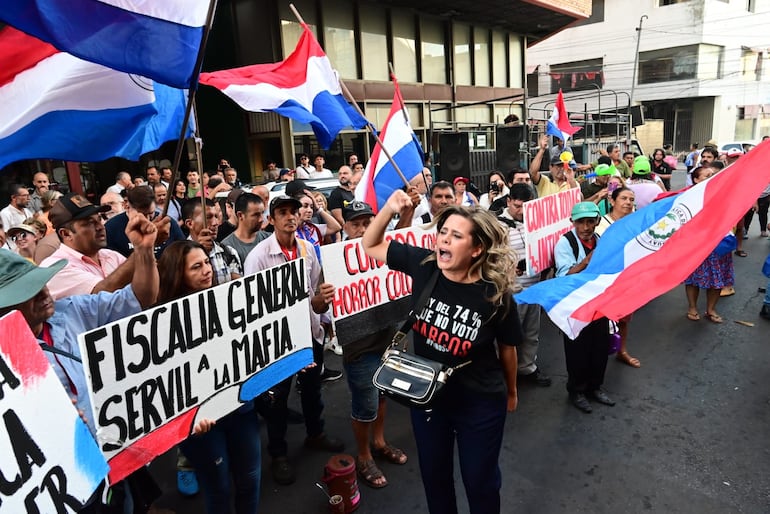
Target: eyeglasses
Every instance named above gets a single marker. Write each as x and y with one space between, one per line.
21 235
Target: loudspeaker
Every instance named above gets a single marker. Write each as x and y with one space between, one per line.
637 115
507 144
454 156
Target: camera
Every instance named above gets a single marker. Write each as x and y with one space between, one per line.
494 188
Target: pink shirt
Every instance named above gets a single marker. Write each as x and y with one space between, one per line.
81 273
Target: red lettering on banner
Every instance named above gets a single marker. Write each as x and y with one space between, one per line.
346 257
429 241
398 284
356 260
356 297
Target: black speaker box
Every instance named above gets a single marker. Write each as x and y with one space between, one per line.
454 156
508 140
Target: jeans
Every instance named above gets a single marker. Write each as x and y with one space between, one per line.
767 293
587 357
476 420
231 449
276 410
364 397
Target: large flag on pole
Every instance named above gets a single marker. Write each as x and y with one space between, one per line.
380 177
651 251
156 39
303 87
60 107
558 124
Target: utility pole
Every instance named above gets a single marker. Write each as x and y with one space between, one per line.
636 59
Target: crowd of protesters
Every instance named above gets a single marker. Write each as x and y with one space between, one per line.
99 263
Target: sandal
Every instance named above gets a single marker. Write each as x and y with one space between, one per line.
371 474
693 316
391 454
625 358
713 317
740 253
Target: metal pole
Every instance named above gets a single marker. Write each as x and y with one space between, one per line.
191 101
636 58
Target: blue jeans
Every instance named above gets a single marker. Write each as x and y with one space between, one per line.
477 421
231 448
364 397
767 293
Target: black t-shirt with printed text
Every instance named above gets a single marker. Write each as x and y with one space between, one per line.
338 197
458 323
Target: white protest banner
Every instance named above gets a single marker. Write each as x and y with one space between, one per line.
545 220
369 295
153 375
49 461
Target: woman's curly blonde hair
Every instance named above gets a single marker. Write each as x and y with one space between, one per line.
497 261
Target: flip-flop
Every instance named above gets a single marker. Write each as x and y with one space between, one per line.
693 316
741 253
714 318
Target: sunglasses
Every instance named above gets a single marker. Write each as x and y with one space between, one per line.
16 237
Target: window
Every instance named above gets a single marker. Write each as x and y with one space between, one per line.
499 66
681 63
339 38
670 2
374 43
515 61
481 56
572 76
290 27
433 52
404 50
462 54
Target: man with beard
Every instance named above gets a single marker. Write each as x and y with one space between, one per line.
341 195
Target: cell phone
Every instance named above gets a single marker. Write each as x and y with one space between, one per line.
612 186
522 265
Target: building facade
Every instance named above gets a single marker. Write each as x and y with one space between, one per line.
459 63
701 71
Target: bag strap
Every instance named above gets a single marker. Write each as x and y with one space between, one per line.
412 317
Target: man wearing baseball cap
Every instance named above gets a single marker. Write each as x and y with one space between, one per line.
23 287
644 187
562 176
91 266
283 246
596 191
586 355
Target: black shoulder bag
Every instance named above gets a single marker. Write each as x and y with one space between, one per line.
409 379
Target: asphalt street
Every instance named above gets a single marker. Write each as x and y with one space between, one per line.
689 433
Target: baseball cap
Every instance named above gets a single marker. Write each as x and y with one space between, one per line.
296 187
285 171
283 200
460 179
734 152
233 195
641 165
356 209
603 170
20 279
585 210
71 207
555 161
22 227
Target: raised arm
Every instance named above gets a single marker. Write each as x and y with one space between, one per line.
141 233
537 160
374 238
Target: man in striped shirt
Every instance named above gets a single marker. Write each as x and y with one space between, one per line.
513 219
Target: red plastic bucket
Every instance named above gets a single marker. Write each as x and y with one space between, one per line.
340 477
